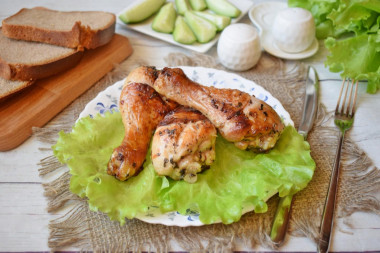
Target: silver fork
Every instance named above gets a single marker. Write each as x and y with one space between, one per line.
343 119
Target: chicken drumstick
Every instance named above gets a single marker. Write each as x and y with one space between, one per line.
240 118
142 108
183 144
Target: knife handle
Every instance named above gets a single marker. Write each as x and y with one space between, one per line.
281 220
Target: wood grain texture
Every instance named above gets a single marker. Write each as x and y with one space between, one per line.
36 105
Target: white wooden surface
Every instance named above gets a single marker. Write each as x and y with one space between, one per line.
23 216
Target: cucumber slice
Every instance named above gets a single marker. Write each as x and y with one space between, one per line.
198 5
203 29
223 7
182 6
165 19
219 21
182 32
140 10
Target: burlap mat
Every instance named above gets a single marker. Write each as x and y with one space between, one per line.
95 232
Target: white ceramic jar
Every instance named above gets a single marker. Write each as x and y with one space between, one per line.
239 47
293 30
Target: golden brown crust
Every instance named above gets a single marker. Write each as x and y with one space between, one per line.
27 72
182 115
142 108
92 39
239 117
60 38
5 70
143 74
183 144
79 37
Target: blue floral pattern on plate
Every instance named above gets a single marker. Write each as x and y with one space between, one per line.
101 108
108 100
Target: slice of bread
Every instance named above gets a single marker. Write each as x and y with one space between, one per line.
8 87
76 29
24 60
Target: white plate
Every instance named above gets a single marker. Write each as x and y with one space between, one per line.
262 16
108 100
145 27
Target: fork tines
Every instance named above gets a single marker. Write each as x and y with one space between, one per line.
350 109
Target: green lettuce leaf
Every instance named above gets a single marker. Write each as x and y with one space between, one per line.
87 149
236 179
355 15
357 58
334 18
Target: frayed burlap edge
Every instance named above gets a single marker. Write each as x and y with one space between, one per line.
93 231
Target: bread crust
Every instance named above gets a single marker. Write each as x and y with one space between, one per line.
4 93
27 72
79 37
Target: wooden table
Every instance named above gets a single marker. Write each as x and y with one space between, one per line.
23 215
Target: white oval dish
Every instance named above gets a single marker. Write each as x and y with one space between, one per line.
145 28
262 16
108 100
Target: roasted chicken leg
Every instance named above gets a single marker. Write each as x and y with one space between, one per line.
240 118
183 144
142 108
143 74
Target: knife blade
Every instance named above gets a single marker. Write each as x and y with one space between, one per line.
310 106
309 112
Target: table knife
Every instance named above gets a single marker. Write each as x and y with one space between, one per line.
309 112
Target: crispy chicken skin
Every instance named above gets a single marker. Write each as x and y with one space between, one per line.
142 108
143 74
240 118
147 75
183 144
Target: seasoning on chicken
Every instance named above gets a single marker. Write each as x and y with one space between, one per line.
240 118
183 145
142 108
143 74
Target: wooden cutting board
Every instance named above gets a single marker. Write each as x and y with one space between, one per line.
37 104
